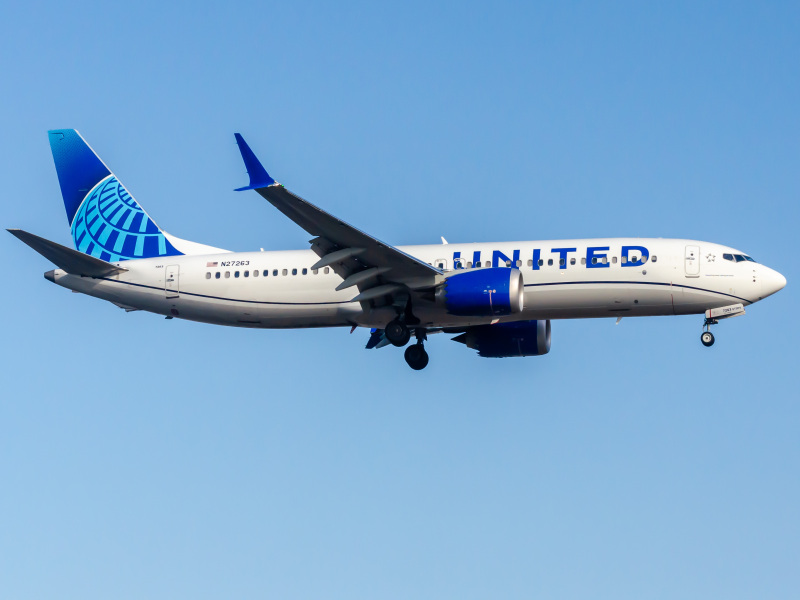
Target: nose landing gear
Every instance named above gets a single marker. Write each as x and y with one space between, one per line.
713 315
707 338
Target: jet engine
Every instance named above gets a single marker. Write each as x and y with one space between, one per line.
482 293
520 338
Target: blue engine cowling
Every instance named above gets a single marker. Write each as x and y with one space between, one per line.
482 293
521 338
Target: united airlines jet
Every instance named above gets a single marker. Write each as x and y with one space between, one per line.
497 298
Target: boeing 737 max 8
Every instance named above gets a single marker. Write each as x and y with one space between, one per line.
499 298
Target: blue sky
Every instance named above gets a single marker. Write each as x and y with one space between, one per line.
148 458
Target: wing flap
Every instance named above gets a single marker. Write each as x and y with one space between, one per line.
343 236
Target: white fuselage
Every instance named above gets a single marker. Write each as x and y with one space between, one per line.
576 279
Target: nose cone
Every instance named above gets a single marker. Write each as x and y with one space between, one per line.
771 282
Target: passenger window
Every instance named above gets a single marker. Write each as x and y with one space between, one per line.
654 259
236 273
274 272
216 275
227 274
583 260
327 270
469 264
285 272
440 266
562 262
508 263
315 271
530 262
634 258
572 260
208 275
305 271
519 263
541 262
488 263
604 260
594 260
614 260
247 273
294 271
255 272
624 260
550 262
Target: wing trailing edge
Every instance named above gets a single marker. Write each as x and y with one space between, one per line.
358 258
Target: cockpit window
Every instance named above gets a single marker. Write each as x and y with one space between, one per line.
737 258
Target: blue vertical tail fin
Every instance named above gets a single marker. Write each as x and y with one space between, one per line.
105 220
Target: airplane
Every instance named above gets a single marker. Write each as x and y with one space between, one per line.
497 298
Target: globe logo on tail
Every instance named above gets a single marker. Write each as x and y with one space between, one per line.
110 225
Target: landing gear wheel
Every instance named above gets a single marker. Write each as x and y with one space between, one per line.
397 333
707 338
416 357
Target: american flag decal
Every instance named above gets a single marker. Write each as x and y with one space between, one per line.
211 264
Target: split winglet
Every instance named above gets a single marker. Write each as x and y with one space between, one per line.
259 178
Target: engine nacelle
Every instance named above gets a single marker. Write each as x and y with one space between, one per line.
521 338
482 293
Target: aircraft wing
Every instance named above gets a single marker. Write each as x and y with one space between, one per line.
377 268
71 261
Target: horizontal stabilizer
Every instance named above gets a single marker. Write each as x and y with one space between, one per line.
377 339
71 261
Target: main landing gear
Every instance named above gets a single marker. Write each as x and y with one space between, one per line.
707 338
398 332
415 354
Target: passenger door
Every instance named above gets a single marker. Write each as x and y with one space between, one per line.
172 281
692 261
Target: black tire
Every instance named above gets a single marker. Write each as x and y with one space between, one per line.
416 357
397 333
707 339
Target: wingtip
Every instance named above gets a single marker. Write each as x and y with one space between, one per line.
259 178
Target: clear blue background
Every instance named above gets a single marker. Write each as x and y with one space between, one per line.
144 458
